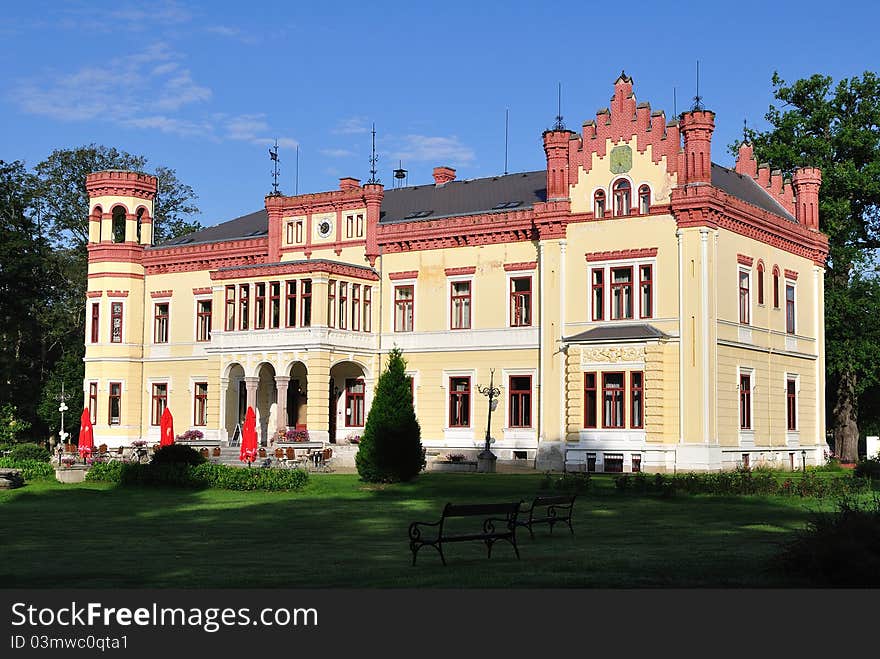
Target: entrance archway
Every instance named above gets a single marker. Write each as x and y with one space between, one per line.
235 399
266 403
349 401
297 396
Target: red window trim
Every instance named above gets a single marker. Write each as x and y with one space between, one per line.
274 303
790 309
514 295
620 392
650 283
305 300
229 309
93 402
622 188
520 393
351 397
331 303
744 298
775 286
114 315
595 390
645 191
260 305
632 398
745 401
599 196
355 307
452 298
368 304
157 318
341 317
791 404
197 400
110 397
289 285
760 282
601 288
244 299
612 286
96 317
204 314
155 412
459 394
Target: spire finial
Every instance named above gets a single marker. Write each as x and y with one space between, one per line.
273 154
373 159
698 100
559 125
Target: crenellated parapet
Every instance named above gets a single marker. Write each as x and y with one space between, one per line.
772 181
120 183
622 121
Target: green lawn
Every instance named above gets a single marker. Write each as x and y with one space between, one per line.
343 533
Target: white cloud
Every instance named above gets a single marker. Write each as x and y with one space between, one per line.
351 126
436 149
337 153
234 33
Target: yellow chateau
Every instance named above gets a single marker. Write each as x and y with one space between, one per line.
642 307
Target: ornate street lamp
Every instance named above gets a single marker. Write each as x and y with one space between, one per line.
62 397
486 459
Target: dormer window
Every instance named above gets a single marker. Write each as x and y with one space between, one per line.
644 200
622 197
599 203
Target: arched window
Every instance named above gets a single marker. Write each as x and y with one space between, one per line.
622 197
140 218
599 203
775 286
644 200
760 282
97 215
119 224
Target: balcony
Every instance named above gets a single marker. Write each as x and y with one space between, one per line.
293 338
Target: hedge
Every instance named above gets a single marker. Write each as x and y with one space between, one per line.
199 476
30 469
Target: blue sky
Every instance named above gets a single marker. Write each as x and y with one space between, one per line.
204 88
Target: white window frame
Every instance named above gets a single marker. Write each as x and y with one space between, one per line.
415 382
606 267
512 434
454 279
747 270
790 282
394 284
746 436
206 297
518 274
125 320
793 435
459 434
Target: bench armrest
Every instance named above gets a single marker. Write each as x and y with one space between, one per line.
415 532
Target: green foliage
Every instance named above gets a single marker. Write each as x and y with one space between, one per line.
742 481
841 548
11 426
568 482
205 475
30 469
177 454
868 469
30 452
391 448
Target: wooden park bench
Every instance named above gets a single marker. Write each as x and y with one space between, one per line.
550 510
498 523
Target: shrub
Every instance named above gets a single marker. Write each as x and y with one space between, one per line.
578 481
391 447
868 469
177 454
199 476
105 471
30 452
30 469
840 548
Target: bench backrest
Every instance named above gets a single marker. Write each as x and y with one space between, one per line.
558 500
477 509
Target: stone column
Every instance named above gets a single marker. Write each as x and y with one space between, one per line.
251 385
281 384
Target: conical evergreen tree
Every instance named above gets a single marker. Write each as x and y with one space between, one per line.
391 446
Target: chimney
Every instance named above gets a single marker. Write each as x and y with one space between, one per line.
443 175
806 182
349 183
697 127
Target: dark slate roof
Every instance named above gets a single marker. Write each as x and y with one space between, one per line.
627 332
492 194
747 189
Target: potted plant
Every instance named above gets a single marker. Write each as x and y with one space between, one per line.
191 436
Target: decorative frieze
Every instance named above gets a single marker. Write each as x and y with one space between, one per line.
613 354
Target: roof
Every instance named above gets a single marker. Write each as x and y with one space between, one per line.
493 194
747 189
626 332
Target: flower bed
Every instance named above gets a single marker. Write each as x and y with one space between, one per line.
200 476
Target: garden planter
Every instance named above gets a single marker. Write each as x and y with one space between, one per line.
460 466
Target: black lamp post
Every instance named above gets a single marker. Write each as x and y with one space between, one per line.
803 461
486 459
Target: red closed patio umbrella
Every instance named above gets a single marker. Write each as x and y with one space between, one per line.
248 451
166 428
86 435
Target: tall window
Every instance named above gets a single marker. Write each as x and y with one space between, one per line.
349 226
644 200
274 304
368 317
244 292
599 203
93 402
343 304
160 323
622 197
745 401
590 400
520 401
200 400
404 300
459 402
461 304
160 402
646 290
354 403
612 400
775 287
203 320
114 403
637 400
360 226
230 309
260 305
521 302
116 322
96 310
290 319
299 231
789 309
598 284
118 224
355 307
745 303
331 303
621 293
305 316
760 282
290 233
791 403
